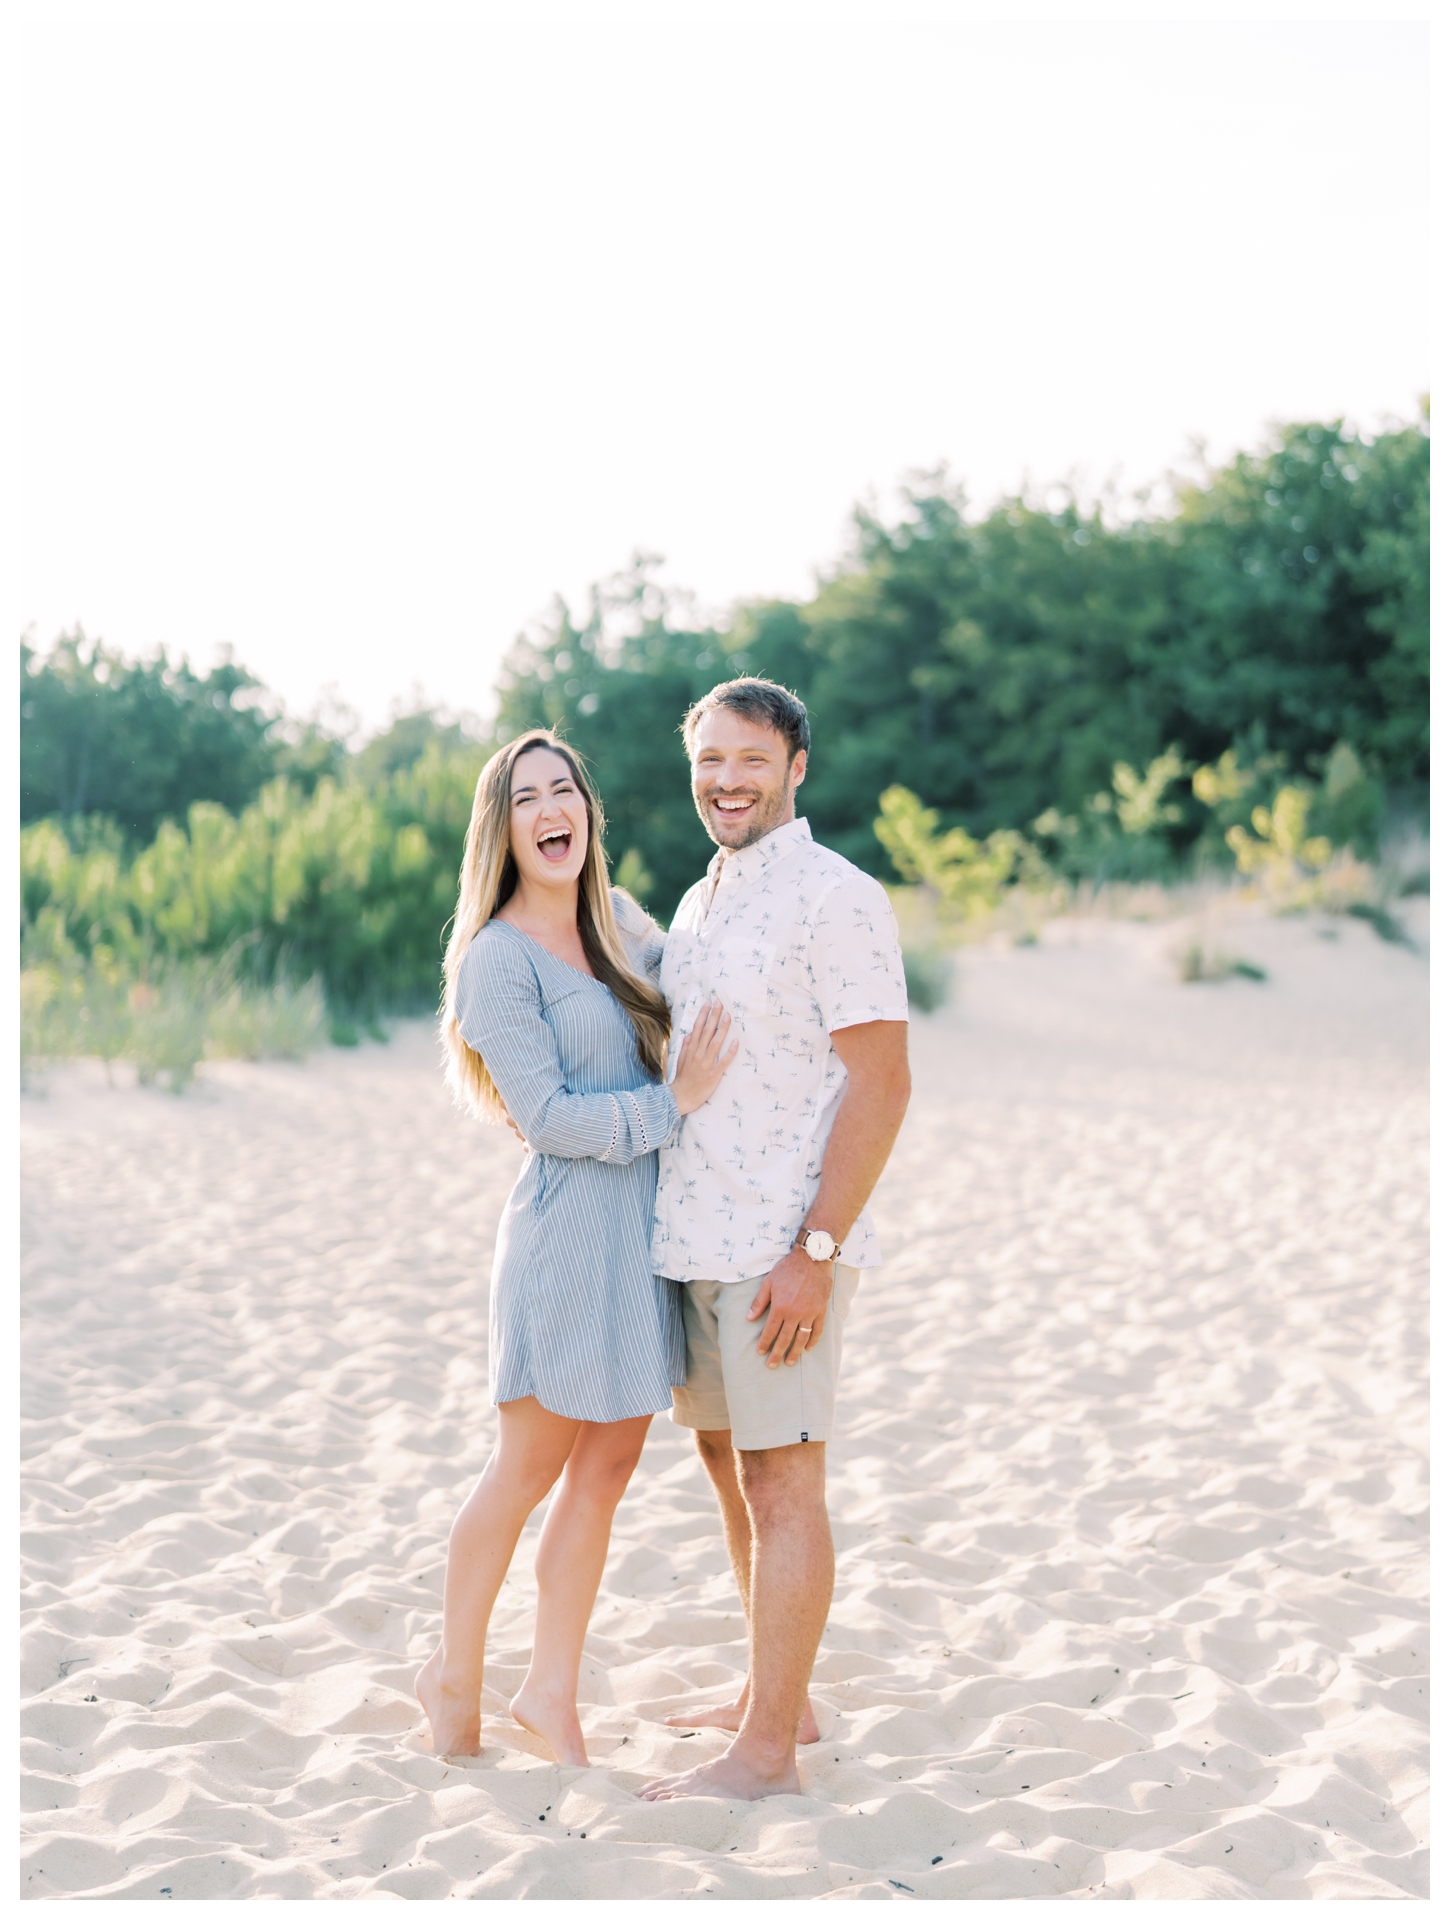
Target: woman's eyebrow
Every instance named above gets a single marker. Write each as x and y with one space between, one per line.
531 792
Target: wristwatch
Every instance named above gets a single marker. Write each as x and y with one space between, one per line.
817 1244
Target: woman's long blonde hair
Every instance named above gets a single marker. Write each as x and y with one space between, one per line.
487 880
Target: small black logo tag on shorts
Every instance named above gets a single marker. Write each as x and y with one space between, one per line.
805 1436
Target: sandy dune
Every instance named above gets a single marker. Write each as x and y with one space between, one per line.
1129 1498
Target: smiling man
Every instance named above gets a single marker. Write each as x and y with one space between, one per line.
761 1207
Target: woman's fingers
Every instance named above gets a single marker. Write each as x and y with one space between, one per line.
717 1026
707 1029
705 1052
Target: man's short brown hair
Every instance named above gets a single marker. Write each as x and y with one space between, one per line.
763 701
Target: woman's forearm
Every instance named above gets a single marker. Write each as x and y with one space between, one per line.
613 1127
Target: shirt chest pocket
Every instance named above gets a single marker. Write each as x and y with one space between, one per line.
744 975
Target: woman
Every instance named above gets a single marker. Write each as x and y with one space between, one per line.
553 1021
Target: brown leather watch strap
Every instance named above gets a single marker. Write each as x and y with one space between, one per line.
800 1241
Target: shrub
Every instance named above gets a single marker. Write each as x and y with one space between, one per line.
1197 962
168 1030
279 1021
168 1023
928 976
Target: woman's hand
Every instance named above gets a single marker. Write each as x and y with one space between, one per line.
703 1057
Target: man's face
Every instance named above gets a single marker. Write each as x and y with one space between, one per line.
744 778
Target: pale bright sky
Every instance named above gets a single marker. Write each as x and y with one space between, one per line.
350 345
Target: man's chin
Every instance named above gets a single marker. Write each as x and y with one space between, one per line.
734 838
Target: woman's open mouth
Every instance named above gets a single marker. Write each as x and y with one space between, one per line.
555 844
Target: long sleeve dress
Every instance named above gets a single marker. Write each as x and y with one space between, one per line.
577 1318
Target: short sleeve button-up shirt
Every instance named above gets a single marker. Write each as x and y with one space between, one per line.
797 943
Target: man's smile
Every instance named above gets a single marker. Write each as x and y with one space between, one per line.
733 805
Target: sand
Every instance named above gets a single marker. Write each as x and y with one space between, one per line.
1128 1490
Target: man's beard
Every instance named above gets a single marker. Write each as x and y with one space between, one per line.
768 813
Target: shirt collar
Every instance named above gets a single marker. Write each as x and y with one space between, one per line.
751 862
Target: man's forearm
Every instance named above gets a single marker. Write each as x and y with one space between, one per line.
794 1294
865 1129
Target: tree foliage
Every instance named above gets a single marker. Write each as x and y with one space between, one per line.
351 885
1020 667
140 740
1038 686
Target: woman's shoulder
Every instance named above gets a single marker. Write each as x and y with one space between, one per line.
640 931
633 920
496 954
629 916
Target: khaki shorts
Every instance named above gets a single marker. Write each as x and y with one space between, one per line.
728 1384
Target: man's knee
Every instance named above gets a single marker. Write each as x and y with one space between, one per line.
715 1447
784 1483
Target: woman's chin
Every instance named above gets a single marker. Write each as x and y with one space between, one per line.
550 873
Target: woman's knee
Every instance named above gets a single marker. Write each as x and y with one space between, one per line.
604 1465
514 1477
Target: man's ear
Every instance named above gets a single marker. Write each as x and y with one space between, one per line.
798 768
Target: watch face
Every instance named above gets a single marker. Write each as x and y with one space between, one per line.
819 1245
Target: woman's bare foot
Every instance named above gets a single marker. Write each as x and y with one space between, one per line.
453 1718
731 1714
556 1722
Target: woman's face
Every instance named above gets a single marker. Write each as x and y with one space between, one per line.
548 820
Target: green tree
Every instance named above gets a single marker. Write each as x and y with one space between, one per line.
137 740
1299 602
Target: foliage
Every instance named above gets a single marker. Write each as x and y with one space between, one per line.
928 971
165 1025
1198 962
966 876
1021 666
351 886
140 741
1045 694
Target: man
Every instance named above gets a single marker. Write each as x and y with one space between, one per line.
761 1209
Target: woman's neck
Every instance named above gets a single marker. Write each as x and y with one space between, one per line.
547 913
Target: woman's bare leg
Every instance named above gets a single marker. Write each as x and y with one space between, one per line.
533 1445
570 1561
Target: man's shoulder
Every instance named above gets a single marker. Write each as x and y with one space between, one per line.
834 873
685 911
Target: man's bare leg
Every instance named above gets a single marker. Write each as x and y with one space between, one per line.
722 1464
792 1574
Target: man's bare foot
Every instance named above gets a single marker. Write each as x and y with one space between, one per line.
453 1718
730 1716
731 1777
555 1722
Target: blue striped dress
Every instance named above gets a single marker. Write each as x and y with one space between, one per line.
577 1317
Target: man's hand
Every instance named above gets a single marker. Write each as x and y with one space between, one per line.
793 1296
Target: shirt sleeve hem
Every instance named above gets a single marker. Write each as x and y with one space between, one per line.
865 1017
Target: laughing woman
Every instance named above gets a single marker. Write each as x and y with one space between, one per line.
553 1019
